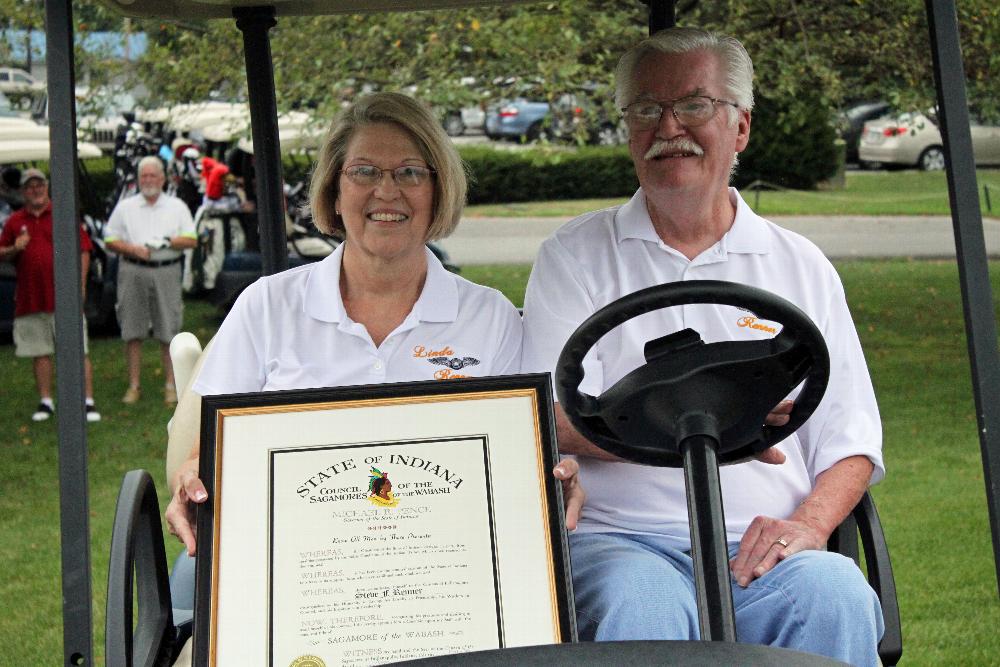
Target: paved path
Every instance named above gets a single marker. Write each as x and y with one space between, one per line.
516 240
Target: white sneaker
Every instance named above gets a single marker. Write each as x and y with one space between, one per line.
42 412
92 414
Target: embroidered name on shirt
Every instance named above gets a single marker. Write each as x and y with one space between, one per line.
421 352
752 323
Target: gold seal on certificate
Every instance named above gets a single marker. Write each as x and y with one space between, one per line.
308 661
366 525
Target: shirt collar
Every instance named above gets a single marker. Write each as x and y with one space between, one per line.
746 236
438 300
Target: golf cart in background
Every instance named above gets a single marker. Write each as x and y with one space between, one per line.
33 150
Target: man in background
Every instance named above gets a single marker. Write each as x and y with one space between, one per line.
150 231
26 241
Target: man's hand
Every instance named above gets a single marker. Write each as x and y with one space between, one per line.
22 240
567 471
159 244
181 510
779 416
768 541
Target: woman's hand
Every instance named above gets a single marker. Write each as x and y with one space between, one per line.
567 471
180 512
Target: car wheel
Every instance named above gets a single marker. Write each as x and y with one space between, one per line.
932 159
607 135
453 125
538 132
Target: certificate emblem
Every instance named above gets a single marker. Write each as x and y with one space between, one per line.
308 661
380 489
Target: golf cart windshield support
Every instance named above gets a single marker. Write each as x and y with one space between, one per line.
254 22
970 249
74 507
661 15
972 260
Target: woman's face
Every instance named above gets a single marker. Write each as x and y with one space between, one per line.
385 219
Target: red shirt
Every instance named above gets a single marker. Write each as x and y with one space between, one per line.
35 268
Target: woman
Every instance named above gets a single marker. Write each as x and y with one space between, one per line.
381 308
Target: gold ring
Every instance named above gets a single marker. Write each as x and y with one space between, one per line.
781 541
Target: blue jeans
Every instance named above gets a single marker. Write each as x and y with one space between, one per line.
182 587
637 587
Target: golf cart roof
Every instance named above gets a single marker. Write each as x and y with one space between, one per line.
15 151
217 9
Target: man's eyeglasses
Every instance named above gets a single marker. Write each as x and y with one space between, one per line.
690 111
407 176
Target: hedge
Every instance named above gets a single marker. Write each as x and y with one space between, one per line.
541 173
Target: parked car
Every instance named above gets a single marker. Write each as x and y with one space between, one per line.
913 139
19 87
851 122
531 119
458 122
14 80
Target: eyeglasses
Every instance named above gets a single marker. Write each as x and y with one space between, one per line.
407 176
690 111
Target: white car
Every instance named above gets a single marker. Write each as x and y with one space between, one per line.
13 80
913 139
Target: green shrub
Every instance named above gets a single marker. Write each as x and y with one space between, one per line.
791 144
548 173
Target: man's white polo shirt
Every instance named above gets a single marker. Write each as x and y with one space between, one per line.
290 331
602 256
136 221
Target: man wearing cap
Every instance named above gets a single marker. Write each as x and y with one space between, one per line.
150 231
26 241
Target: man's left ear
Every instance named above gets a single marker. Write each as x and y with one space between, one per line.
742 129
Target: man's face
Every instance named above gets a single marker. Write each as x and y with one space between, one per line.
151 180
36 194
666 77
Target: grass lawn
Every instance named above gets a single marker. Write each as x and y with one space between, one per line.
932 501
906 192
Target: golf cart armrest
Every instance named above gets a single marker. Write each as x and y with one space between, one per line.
137 546
864 520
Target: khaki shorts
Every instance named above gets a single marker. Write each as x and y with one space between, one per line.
35 335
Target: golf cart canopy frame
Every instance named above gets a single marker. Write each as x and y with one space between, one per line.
255 21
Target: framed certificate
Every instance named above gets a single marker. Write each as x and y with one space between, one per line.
374 524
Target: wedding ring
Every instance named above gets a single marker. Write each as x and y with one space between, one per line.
781 541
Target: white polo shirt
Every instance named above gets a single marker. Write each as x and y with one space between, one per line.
290 331
135 220
602 256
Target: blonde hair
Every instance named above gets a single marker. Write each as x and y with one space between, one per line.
450 183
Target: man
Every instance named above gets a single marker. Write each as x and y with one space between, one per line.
150 231
26 241
687 97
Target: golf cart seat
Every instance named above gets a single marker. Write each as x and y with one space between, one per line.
137 547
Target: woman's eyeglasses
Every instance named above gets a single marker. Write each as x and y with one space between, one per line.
407 176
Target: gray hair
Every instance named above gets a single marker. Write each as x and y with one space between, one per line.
435 147
151 159
731 54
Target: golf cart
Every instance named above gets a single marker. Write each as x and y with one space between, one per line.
255 23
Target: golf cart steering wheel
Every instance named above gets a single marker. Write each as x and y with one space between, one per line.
688 388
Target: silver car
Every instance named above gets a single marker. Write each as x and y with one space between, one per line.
914 139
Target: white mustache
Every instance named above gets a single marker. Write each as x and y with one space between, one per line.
673 146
